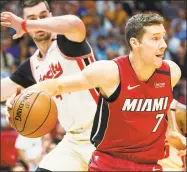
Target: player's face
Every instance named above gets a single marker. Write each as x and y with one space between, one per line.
39 11
153 45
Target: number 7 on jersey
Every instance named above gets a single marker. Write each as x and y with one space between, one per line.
159 117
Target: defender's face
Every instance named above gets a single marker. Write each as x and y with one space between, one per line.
39 11
153 45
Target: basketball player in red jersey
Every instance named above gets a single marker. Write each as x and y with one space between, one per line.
62 51
135 94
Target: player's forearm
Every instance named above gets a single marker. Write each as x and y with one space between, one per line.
8 88
62 85
69 25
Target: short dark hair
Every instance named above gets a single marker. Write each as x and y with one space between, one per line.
135 25
31 3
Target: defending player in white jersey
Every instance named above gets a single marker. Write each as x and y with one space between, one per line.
62 51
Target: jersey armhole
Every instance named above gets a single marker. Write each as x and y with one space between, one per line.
170 77
116 93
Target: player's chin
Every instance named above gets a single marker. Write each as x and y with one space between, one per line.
42 37
158 62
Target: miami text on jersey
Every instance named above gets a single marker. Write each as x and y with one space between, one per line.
149 105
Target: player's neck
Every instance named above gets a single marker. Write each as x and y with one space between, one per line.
43 46
143 71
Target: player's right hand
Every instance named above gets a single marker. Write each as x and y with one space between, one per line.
9 19
9 104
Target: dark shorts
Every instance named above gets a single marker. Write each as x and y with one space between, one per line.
104 162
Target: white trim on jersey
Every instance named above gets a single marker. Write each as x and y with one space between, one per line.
99 122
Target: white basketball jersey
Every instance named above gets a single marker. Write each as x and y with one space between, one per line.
75 110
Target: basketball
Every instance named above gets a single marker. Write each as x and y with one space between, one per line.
33 114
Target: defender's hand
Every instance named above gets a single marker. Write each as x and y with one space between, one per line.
177 140
9 19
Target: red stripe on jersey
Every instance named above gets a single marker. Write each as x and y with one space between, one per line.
92 59
80 63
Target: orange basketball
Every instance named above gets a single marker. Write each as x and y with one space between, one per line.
33 114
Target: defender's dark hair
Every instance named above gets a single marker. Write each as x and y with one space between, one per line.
135 25
31 3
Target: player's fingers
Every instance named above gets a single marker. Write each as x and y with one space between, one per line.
18 91
7 113
6 17
6 24
3 19
7 14
7 116
10 101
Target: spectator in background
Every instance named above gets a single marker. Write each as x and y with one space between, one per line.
178 31
118 15
29 151
57 8
13 49
104 6
173 42
32 150
113 46
101 26
128 6
7 60
8 152
82 9
101 48
181 18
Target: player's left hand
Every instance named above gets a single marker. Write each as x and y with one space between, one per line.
182 153
9 104
9 19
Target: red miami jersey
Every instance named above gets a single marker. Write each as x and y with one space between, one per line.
131 124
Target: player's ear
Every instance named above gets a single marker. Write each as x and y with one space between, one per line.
134 43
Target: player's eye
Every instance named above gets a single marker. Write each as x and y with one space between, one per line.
155 38
32 18
43 16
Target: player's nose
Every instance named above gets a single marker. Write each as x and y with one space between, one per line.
163 44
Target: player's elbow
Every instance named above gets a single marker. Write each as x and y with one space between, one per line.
80 28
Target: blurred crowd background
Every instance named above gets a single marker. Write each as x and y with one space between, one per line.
105 23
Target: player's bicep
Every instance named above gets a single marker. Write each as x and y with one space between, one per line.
85 79
95 75
8 88
102 74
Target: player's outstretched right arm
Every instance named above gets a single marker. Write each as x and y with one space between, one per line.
8 87
101 74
